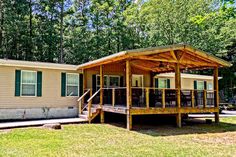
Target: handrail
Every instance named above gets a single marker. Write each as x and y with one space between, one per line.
80 98
82 103
114 88
154 88
94 95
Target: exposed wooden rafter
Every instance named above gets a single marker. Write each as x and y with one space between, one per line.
154 59
173 54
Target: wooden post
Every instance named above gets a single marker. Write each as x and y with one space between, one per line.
178 84
128 94
178 120
204 98
80 106
89 111
113 97
216 95
163 98
192 97
91 92
101 93
178 88
84 87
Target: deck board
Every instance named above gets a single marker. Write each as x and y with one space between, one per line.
167 110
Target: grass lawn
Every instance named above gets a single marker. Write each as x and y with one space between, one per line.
107 140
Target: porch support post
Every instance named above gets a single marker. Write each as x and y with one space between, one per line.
84 80
216 94
128 94
101 93
178 94
84 87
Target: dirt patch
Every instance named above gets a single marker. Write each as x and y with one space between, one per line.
5 131
228 138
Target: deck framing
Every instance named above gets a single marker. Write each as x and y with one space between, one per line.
152 110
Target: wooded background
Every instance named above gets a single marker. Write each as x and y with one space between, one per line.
77 31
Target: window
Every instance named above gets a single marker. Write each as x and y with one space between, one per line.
28 83
209 86
114 81
72 84
200 85
109 81
162 83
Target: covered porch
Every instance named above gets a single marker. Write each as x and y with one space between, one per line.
124 83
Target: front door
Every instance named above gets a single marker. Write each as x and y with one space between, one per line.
137 90
137 80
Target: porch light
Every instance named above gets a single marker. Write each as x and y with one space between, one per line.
161 65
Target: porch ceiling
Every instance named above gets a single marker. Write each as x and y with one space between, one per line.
162 59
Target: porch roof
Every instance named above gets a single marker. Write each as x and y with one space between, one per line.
162 59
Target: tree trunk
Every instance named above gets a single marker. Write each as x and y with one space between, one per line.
61 34
29 53
1 28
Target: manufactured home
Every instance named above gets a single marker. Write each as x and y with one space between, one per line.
134 82
34 90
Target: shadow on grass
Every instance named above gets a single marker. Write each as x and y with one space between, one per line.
189 127
165 125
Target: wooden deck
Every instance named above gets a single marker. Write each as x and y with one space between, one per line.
154 110
146 98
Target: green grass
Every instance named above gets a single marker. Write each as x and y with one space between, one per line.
107 140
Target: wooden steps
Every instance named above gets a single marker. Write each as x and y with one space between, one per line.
94 112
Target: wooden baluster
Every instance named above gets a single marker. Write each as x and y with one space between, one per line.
113 97
80 107
204 98
192 97
91 92
147 98
163 98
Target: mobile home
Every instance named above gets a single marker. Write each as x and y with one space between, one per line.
134 82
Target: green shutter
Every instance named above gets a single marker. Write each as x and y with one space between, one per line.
17 82
205 85
168 83
81 88
63 84
121 81
94 83
39 83
156 83
195 84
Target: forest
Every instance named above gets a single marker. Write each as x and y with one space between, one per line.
77 31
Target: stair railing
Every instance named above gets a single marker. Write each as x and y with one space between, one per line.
90 103
81 99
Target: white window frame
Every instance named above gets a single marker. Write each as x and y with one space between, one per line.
208 83
72 85
201 82
28 83
162 79
117 76
108 81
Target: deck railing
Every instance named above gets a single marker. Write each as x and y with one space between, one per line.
148 97
114 96
153 97
82 99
